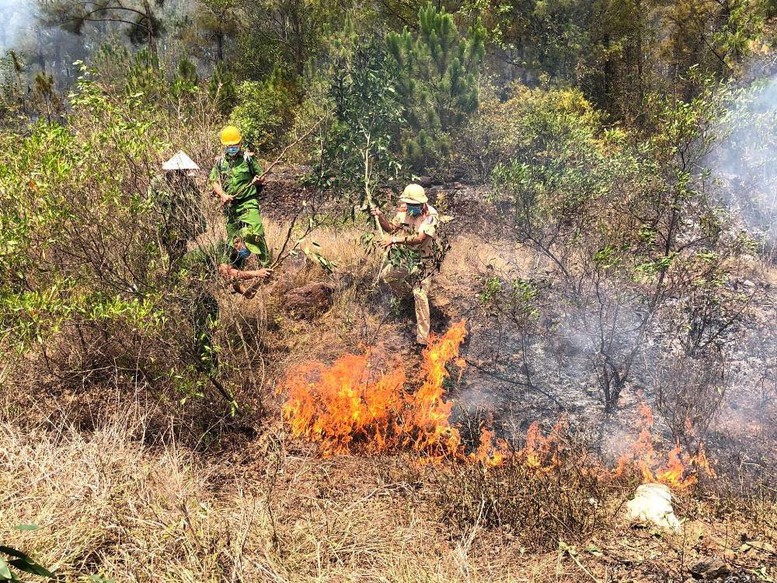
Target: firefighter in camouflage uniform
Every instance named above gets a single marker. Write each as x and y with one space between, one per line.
413 253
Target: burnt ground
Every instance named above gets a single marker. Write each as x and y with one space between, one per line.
516 376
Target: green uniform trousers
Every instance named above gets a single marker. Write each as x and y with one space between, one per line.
244 220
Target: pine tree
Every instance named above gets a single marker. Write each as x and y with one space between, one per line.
222 90
437 84
143 25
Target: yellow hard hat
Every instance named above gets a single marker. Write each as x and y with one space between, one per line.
230 136
413 194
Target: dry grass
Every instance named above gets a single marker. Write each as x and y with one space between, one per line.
360 311
108 504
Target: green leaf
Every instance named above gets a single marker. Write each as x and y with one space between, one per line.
25 563
594 550
13 552
27 527
5 572
29 566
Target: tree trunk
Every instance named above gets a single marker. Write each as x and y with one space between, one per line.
219 46
150 31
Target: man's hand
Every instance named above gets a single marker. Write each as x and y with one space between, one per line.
257 180
226 199
232 273
384 224
225 270
388 242
261 274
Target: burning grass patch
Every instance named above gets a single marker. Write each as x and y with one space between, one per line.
370 404
366 404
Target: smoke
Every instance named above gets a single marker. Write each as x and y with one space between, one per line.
744 161
16 20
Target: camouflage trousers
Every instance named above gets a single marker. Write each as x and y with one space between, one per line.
402 283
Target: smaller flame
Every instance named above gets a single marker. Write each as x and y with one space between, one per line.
674 471
541 453
491 451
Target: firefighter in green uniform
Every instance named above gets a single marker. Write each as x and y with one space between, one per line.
236 180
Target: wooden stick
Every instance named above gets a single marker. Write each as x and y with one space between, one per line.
294 143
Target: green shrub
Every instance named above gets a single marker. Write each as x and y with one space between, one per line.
265 111
530 126
84 276
222 90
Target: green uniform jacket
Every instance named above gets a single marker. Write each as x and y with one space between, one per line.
244 216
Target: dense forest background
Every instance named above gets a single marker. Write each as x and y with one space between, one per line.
620 55
606 174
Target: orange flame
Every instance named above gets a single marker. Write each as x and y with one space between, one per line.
542 452
427 411
674 471
361 404
344 405
355 405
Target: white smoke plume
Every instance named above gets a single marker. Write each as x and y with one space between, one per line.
745 159
16 19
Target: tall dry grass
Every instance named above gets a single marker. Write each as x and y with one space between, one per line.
106 504
125 500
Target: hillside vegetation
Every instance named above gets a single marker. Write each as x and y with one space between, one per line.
603 316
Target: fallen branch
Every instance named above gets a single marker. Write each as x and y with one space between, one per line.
283 254
228 397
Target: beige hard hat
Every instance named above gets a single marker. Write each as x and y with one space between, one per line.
413 194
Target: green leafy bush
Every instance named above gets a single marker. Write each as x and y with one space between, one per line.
265 111
356 146
530 126
84 276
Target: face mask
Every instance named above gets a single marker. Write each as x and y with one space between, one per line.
232 150
414 210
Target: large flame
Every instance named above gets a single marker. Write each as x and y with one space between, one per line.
367 404
345 405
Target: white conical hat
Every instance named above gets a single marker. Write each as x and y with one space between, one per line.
180 162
